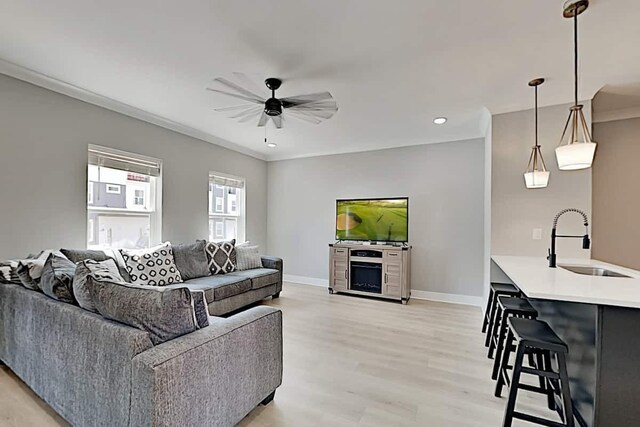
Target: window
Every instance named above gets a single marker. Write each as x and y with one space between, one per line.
124 200
113 189
226 207
138 197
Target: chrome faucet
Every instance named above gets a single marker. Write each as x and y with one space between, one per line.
586 243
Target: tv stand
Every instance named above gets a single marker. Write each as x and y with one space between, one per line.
375 270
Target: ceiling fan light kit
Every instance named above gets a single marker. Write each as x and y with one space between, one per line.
578 151
536 175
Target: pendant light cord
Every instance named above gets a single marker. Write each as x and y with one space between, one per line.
575 54
536 114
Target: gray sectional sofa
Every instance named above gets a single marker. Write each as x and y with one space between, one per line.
98 372
226 293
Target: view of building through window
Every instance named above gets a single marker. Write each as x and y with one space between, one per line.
120 205
226 205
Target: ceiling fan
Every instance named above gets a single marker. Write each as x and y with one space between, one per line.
311 108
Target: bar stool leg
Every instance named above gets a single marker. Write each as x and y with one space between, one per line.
497 323
499 350
485 321
513 388
551 401
566 394
492 318
508 348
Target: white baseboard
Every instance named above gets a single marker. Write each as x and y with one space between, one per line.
305 280
444 297
425 295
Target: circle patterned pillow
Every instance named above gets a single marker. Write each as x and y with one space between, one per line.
152 267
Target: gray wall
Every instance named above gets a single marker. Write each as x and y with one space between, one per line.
445 186
516 210
43 162
616 193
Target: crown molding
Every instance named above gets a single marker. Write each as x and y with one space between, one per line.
42 80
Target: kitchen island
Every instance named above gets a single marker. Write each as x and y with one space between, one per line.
599 318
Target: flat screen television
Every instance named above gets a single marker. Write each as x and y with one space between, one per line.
376 220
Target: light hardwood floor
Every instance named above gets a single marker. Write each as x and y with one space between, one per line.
351 361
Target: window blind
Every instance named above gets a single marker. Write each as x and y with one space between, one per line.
229 182
126 162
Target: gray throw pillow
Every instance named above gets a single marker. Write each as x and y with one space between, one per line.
79 255
165 313
201 309
57 278
191 259
105 270
30 270
154 266
221 257
8 273
248 257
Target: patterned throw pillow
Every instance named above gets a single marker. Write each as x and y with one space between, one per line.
153 267
248 257
221 256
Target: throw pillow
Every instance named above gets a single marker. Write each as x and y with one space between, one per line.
221 256
248 257
57 278
153 267
165 313
30 270
8 273
191 259
104 270
200 308
79 255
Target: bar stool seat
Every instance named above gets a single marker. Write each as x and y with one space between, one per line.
537 335
507 307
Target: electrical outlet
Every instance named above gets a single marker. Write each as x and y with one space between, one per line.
536 234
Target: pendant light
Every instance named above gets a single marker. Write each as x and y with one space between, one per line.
575 154
537 175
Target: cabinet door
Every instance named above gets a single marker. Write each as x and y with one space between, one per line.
393 278
340 276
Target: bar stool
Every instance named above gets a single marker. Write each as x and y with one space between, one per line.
535 336
507 307
495 290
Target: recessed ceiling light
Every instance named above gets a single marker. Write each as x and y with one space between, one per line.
440 120
272 144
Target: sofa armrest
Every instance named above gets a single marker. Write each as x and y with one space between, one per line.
272 262
213 376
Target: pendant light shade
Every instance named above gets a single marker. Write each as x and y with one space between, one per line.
537 175
576 149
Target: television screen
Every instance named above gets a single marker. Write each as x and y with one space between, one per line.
381 220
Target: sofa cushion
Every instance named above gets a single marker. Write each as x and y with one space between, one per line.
105 270
154 266
8 273
164 313
79 255
191 259
218 287
221 256
200 307
57 278
260 277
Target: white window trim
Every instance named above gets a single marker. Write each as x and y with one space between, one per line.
240 207
90 184
155 194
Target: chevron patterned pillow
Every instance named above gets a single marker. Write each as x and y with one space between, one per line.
221 257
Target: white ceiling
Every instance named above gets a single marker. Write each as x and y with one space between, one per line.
392 66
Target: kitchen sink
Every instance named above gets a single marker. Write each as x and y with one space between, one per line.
592 271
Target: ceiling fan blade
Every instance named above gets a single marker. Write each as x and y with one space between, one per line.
231 85
263 119
251 111
235 107
291 101
235 95
277 120
249 116
320 113
303 117
250 84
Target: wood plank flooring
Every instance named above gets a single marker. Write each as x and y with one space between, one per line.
352 361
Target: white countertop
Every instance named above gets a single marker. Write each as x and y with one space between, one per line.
534 277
